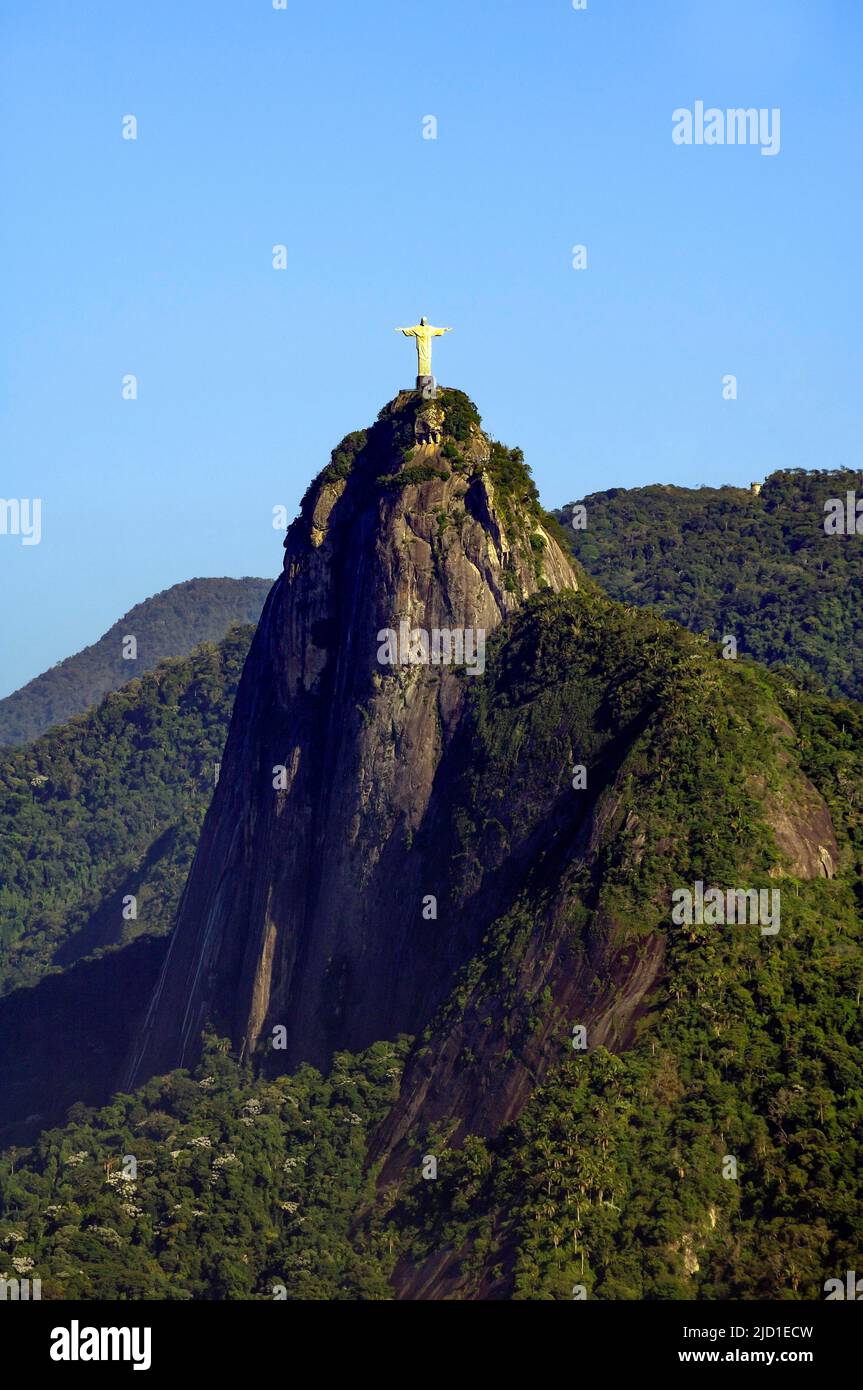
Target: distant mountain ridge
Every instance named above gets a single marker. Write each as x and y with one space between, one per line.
727 561
170 624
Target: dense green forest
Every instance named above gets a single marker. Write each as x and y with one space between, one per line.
724 561
109 806
169 624
239 1188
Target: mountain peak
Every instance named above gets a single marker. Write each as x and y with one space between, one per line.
427 467
412 546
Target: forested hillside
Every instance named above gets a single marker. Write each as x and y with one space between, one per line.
724 561
109 806
236 1188
169 624
616 1175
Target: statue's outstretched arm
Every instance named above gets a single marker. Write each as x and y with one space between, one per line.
408 332
436 332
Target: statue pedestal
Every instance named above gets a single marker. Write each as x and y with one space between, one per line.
428 386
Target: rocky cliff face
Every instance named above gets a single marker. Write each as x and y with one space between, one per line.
304 907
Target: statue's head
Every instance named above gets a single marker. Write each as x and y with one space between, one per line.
423 321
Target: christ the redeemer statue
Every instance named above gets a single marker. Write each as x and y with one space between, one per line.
423 332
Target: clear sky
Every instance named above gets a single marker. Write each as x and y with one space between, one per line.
304 127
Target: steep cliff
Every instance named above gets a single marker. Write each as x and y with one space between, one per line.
303 910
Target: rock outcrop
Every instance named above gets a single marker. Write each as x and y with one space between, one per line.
303 907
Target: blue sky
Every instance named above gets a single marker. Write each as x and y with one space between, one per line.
304 127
